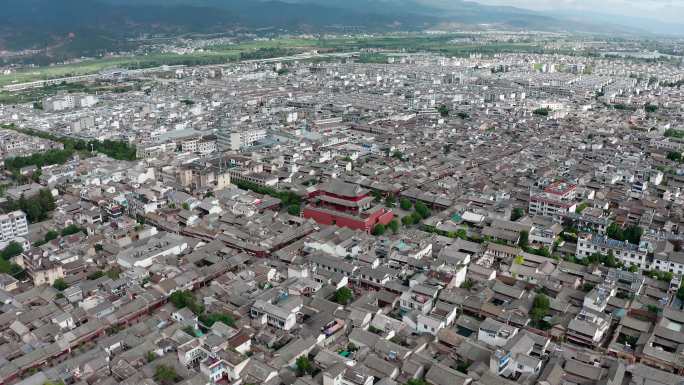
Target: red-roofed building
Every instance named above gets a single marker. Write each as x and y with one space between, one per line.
346 205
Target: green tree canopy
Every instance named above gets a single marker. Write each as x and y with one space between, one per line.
36 208
379 229
524 239
422 210
416 381
540 309
405 204
304 366
343 295
11 250
394 226
390 201
165 375
71 229
60 284
517 213
210 319
680 296
184 298
293 209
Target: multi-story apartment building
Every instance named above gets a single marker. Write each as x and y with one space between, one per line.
231 137
669 262
628 253
556 200
12 225
202 145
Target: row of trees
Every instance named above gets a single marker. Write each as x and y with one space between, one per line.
673 133
631 234
288 198
39 160
266 53
36 208
380 229
544 111
116 149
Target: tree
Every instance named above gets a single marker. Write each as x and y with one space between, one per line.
416 218
443 111
304 366
165 375
524 239
517 213
184 298
95 275
113 273
631 234
581 207
416 381
210 319
467 284
60 284
69 230
293 210
610 260
614 231
542 111
36 208
650 108
343 295
151 356
378 229
11 250
422 210
394 226
405 204
540 309
680 296
390 201
185 206
519 260
50 235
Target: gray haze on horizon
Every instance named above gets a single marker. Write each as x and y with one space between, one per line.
670 11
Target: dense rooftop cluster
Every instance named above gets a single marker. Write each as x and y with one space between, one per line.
514 219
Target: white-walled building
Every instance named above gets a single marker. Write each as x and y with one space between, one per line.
12 225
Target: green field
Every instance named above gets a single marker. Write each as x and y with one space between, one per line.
260 49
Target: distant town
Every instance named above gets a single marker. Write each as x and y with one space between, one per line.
484 209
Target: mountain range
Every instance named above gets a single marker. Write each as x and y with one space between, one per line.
88 27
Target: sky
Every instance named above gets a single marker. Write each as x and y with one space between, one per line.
671 11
